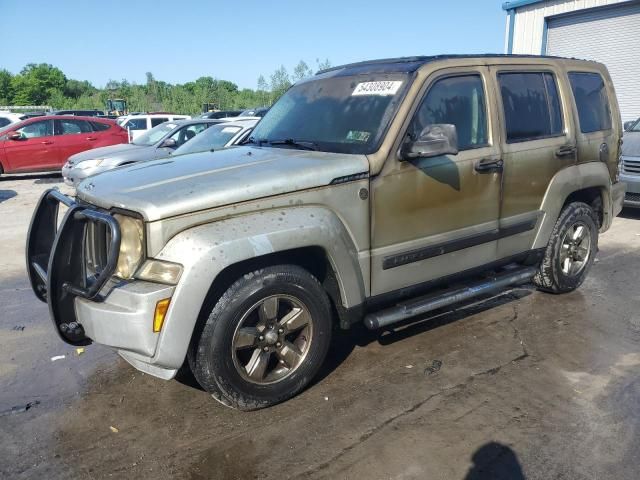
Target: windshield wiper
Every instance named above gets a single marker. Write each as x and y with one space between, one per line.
305 145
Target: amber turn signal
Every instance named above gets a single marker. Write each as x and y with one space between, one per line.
161 311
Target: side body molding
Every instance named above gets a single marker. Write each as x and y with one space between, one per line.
206 250
564 183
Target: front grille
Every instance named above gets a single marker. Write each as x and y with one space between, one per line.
631 165
97 238
632 197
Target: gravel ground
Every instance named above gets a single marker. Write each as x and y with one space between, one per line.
523 385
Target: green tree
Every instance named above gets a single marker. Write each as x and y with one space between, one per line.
36 83
323 65
5 87
280 82
301 71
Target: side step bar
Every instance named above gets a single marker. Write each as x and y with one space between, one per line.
432 302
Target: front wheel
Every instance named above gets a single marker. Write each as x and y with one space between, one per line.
265 339
571 250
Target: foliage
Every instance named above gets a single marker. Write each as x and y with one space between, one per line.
44 84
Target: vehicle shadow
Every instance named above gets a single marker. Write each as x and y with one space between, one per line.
344 342
495 461
50 177
7 194
630 213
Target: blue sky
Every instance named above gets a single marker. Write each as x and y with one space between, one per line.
181 40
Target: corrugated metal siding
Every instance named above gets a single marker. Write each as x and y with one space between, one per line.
610 36
529 21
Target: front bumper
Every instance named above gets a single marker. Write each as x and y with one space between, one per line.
632 196
88 305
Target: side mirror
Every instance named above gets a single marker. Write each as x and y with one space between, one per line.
15 136
434 140
169 143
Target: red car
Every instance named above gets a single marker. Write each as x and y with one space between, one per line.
44 143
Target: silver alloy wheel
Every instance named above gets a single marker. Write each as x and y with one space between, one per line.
575 250
272 339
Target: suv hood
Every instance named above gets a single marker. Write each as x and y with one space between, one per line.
103 152
631 144
198 181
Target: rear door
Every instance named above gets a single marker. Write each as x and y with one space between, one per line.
74 136
537 140
35 151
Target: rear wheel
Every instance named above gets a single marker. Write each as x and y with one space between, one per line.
571 250
265 339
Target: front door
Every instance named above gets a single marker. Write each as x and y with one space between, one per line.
36 150
433 217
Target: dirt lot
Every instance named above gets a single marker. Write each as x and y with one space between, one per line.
525 385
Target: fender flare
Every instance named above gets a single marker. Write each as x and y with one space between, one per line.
206 250
564 183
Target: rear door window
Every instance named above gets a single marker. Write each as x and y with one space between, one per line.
531 105
70 127
590 94
99 127
157 121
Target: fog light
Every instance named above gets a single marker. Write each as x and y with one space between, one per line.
161 311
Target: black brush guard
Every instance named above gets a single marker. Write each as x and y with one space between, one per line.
56 260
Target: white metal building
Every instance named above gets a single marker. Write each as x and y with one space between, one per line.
607 31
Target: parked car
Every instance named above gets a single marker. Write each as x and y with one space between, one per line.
44 143
7 118
219 136
137 125
371 192
630 171
84 113
254 112
630 123
221 114
158 142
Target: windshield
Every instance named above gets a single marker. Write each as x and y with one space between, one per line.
154 135
213 138
337 114
635 127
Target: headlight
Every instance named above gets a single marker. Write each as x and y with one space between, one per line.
131 248
160 271
89 163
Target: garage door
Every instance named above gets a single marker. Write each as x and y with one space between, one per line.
610 35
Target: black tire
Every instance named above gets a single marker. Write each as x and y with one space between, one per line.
551 277
212 358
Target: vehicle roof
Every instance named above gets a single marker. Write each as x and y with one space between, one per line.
72 117
138 115
188 121
243 122
411 64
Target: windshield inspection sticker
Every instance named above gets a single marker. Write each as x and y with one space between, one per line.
357 136
383 88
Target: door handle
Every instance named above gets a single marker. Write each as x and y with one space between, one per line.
91 138
46 142
489 165
566 151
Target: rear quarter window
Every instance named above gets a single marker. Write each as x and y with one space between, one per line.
100 127
592 102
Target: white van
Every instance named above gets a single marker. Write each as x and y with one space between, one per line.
136 125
